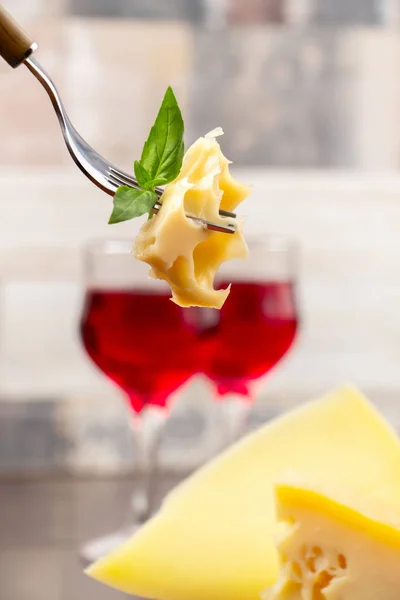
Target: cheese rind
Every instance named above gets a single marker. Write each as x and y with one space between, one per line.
179 249
214 536
333 551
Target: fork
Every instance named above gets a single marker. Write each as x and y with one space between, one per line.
16 47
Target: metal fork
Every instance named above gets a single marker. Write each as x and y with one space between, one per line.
16 47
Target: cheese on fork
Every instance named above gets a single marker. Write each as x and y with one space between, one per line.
333 551
179 249
214 536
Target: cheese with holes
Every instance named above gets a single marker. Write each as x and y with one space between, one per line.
179 249
331 550
214 536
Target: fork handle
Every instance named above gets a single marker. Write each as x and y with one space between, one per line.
15 44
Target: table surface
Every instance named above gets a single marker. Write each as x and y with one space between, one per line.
42 526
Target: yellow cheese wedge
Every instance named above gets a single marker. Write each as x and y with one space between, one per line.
332 551
214 535
180 250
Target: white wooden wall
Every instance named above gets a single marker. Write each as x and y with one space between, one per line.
348 228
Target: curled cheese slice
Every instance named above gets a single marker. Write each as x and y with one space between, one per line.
179 249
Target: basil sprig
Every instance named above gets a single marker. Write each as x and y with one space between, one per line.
159 164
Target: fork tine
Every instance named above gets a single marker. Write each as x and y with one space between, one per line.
229 228
117 182
130 181
226 213
222 213
122 178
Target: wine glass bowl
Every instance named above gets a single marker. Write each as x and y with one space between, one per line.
141 341
253 335
255 328
146 345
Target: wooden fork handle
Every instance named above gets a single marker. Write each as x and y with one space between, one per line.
15 44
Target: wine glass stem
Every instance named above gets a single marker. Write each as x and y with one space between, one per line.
148 432
235 416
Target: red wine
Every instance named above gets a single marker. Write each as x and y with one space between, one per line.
144 343
253 331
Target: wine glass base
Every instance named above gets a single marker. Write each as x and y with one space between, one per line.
101 546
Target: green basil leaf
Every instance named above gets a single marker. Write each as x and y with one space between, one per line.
163 151
130 203
160 163
142 176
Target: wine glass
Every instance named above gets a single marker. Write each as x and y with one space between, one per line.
254 329
146 345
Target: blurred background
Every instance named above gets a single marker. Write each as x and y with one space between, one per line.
308 94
